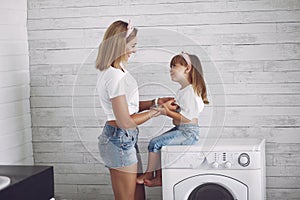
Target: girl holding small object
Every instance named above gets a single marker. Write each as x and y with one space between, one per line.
186 70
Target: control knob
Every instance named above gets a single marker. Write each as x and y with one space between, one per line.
244 160
227 165
215 165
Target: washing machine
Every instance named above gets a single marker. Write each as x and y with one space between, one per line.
226 169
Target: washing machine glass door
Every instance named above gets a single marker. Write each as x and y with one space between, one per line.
210 191
210 187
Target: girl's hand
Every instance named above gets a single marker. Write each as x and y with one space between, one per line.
164 99
170 105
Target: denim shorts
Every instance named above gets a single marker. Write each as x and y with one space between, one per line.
185 134
118 147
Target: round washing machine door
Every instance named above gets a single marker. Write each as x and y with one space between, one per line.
210 187
210 191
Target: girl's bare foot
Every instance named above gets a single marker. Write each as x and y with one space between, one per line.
157 181
146 175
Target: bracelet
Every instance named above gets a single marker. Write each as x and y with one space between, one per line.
156 102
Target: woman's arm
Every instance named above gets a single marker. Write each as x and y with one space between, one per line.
123 119
146 105
140 118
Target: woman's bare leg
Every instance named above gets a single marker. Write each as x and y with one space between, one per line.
140 189
140 192
124 182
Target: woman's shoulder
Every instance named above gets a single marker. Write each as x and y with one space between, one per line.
112 72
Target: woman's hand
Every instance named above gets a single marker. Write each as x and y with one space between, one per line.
154 113
161 110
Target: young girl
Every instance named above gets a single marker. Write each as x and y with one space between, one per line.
186 70
119 98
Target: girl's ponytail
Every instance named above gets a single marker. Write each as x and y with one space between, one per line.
197 78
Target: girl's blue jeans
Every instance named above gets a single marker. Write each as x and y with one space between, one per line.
185 134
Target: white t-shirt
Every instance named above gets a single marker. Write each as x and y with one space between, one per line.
190 103
114 82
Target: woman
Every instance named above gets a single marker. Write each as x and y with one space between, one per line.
119 98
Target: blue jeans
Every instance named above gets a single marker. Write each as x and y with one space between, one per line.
185 134
118 147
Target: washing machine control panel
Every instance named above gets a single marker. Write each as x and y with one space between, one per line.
230 160
213 160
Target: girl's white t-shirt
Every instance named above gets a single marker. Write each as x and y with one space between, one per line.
113 82
190 103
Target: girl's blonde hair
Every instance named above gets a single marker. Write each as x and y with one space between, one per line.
112 49
196 78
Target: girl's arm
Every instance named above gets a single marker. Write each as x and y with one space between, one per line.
123 119
176 116
169 109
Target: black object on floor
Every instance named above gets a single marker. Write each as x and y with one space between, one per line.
28 182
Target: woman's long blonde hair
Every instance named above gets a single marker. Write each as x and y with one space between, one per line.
113 46
196 77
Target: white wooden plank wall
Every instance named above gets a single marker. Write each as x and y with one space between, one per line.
15 119
254 45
